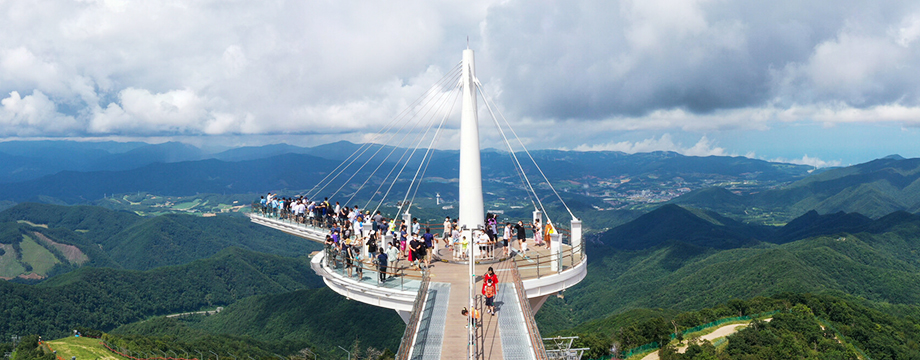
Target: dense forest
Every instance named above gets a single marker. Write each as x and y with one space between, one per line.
804 326
125 240
290 320
104 298
843 253
837 285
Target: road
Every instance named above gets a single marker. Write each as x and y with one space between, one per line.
718 333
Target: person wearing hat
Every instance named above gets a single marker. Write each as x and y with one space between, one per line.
490 289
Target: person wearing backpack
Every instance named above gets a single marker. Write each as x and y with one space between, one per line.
490 289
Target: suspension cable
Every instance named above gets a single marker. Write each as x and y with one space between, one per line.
395 179
455 72
534 161
363 148
385 179
517 162
370 158
426 159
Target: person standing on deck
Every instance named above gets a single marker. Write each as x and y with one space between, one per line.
521 232
537 233
393 257
430 245
382 266
490 289
506 238
455 235
447 230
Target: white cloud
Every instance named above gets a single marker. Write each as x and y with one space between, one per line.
565 73
176 111
908 31
33 115
810 161
704 147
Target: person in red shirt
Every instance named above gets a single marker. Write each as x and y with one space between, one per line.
490 289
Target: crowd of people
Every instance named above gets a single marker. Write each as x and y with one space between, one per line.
389 241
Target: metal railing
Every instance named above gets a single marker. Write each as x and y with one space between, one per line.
478 346
408 339
483 251
534 333
359 271
535 265
288 220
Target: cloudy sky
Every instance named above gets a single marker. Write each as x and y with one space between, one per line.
817 82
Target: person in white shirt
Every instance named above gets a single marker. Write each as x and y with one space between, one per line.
447 232
506 238
483 242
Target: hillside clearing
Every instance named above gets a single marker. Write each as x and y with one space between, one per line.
83 348
720 332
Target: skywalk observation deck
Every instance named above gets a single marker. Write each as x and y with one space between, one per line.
543 271
430 300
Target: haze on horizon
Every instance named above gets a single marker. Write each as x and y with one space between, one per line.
820 83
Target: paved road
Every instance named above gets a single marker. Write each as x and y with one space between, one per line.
718 333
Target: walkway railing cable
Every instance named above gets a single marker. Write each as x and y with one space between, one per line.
532 330
408 338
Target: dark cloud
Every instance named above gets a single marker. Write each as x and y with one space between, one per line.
599 59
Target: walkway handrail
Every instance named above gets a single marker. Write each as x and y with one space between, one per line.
567 259
408 338
478 330
535 340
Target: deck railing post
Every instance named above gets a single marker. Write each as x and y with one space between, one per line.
555 249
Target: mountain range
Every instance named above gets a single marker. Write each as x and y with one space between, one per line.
41 240
750 229
88 171
874 189
686 259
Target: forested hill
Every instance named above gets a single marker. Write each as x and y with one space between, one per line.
872 259
104 298
289 171
803 326
874 189
672 224
178 170
122 239
318 316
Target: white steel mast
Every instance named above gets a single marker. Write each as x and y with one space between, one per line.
471 207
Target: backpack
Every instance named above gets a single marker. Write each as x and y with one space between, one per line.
490 291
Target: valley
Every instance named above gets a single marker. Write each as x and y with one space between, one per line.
673 242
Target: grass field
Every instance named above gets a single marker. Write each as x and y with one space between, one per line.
9 266
32 224
83 348
36 255
187 205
